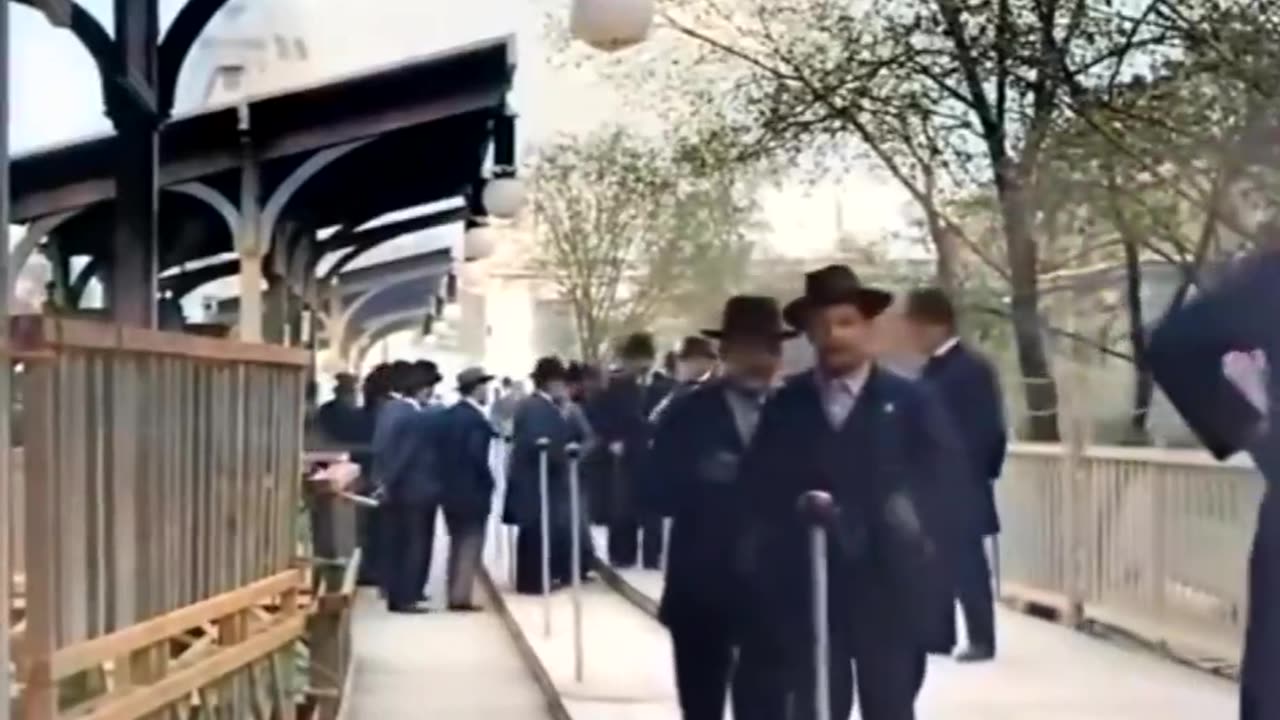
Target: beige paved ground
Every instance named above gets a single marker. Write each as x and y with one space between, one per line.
1048 672
440 666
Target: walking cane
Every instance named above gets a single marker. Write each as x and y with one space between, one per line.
507 445
574 452
544 506
995 564
818 507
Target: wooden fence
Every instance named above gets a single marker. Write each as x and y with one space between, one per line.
158 527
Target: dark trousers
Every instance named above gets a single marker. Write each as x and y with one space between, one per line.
887 682
427 526
973 590
466 549
624 541
368 534
1259 691
406 552
529 560
704 663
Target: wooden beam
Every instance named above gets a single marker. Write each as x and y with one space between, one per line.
141 702
93 652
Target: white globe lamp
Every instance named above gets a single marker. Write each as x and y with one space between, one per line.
611 25
503 197
479 242
451 314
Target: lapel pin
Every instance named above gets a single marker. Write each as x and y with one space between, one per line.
888 408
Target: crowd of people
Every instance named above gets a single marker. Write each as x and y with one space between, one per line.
713 442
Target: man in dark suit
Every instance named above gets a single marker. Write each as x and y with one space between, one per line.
623 427
469 484
967 386
697 445
405 445
881 446
539 417
1214 358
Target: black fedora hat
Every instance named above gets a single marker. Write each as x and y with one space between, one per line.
548 369
752 316
835 285
694 347
638 345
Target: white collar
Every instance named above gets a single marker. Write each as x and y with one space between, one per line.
945 347
404 398
473 403
854 381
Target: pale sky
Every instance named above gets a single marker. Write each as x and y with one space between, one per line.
55 95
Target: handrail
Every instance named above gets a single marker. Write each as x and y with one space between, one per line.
32 334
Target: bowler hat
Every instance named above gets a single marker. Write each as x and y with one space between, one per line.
471 377
835 285
696 347
638 345
548 369
751 316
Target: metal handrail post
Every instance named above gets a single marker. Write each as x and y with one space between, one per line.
817 507
574 452
545 527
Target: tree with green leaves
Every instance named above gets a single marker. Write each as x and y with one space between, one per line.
630 230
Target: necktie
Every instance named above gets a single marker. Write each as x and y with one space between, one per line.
839 403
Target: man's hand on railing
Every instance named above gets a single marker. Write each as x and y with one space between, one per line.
339 476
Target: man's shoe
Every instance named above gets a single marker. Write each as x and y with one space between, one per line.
975 653
408 609
465 607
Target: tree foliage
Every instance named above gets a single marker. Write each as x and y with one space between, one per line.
1037 137
632 229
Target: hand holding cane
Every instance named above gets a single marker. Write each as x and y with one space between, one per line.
818 509
544 521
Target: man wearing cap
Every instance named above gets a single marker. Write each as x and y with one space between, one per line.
697 445
881 446
539 417
469 484
623 426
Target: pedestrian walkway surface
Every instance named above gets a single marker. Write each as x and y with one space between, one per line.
1049 672
453 666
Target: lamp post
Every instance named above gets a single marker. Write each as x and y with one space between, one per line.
612 25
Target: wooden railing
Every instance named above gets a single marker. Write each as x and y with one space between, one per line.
1154 542
159 509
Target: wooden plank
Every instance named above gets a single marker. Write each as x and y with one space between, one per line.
40 697
108 647
36 334
180 683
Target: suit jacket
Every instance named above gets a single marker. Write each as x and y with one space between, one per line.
1185 357
891 469
966 384
695 457
537 417
386 455
468 476
622 415
413 474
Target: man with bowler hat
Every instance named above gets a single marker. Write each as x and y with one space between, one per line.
469 484
881 447
538 417
695 364
622 423
697 446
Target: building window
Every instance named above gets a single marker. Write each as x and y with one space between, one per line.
282 47
231 77
300 48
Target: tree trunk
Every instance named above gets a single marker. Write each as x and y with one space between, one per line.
1143 384
1039 388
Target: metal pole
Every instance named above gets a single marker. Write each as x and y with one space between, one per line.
545 527
6 370
575 513
817 506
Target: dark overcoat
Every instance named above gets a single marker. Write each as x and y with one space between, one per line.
622 415
537 417
966 384
695 457
468 475
1185 355
891 468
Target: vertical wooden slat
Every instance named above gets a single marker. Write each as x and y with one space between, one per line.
40 698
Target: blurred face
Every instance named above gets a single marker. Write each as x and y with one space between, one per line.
424 395
346 396
638 365
557 389
690 369
841 336
752 363
926 338
480 393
